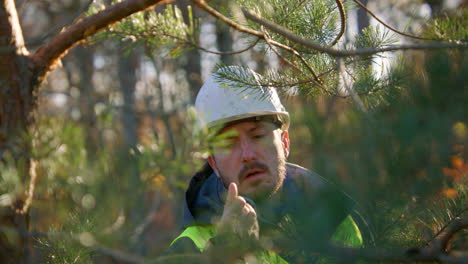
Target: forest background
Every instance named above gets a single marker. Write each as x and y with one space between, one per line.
94 164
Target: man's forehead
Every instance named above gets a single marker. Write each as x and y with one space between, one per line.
246 124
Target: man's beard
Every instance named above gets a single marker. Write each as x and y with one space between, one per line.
262 195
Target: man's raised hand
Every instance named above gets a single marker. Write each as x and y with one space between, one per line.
239 217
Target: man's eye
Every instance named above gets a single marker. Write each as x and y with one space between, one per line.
259 136
230 142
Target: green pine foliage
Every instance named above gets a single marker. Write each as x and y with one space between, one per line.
451 27
167 32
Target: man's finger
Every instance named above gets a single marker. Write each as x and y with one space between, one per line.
232 193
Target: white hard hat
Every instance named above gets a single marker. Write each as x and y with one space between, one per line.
220 101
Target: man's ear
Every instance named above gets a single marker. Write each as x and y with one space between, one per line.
212 162
285 142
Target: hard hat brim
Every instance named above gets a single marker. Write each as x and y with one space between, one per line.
283 117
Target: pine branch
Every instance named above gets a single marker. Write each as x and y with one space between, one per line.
46 56
345 53
314 45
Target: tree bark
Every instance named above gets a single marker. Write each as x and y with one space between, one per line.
16 95
16 102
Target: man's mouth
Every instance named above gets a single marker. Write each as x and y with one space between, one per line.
253 174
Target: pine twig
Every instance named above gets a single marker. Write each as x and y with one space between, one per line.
446 226
388 26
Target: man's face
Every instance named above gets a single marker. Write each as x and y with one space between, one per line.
254 158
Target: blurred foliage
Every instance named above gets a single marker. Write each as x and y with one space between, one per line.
81 203
404 161
450 27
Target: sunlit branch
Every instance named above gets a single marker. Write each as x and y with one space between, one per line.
343 22
46 56
32 187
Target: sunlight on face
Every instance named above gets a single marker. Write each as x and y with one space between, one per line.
251 154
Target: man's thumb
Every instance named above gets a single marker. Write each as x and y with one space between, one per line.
232 193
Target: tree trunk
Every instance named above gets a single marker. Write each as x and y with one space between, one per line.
85 59
224 40
16 86
16 103
362 17
128 64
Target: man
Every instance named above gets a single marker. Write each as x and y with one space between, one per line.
248 192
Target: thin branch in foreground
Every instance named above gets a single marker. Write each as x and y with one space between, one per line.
347 86
226 52
202 4
295 53
186 42
290 63
343 22
316 80
346 53
388 26
55 29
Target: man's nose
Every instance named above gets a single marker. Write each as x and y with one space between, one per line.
247 151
